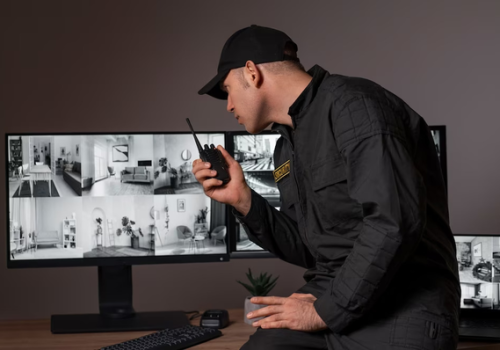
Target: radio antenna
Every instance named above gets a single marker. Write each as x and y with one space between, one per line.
195 138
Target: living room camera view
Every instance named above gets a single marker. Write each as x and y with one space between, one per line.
117 165
102 200
45 228
119 226
479 269
189 224
173 159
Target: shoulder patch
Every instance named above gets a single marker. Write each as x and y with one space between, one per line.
282 171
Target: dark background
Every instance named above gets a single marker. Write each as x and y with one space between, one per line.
113 66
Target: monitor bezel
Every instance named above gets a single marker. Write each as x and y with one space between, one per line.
114 261
442 147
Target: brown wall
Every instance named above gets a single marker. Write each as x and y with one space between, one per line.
74 66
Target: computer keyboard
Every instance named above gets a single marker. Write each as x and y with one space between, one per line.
171 339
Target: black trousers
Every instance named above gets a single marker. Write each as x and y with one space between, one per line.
403 335
285 339
405 331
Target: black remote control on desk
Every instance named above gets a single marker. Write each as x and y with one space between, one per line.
214 157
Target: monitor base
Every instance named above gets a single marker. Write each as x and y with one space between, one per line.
140 321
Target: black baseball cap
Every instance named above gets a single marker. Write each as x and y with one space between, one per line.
254 43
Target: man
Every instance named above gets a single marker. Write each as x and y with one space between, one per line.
364 206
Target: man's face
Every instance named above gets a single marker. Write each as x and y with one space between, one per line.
245 102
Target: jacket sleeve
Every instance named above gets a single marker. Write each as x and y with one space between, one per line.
382 177
275 231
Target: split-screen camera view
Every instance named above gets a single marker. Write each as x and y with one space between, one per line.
479 269
87 196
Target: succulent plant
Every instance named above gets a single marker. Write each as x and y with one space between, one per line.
261 285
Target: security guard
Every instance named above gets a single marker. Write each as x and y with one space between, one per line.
364 205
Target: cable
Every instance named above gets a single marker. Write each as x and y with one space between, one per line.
192 317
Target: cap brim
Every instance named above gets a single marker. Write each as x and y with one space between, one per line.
213 88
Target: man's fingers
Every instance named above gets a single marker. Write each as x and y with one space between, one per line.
265 311
277 324
208 185
272 318
268 300
204 174
197 166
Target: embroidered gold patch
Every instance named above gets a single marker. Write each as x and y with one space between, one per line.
282 171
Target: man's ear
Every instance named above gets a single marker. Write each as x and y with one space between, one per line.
253 74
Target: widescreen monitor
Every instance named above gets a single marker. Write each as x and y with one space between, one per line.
110 200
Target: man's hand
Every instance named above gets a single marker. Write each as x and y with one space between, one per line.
296 312
236 192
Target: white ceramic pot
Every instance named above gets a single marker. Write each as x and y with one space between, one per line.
249 306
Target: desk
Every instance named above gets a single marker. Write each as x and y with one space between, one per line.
35 334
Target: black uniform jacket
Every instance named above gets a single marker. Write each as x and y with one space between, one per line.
364 207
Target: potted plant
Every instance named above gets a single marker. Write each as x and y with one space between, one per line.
259 286
161 176
203 215
129 229
163 163
173 178
99 232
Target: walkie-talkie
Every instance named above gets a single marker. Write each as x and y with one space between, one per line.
214 157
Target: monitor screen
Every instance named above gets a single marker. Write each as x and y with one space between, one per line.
90 199
255 155
478 259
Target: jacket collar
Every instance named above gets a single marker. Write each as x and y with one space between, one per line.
299 108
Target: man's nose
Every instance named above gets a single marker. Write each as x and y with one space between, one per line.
230 106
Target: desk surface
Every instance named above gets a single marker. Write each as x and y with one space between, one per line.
35 334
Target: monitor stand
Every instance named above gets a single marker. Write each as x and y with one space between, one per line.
116 310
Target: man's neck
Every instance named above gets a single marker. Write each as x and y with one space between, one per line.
288 89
